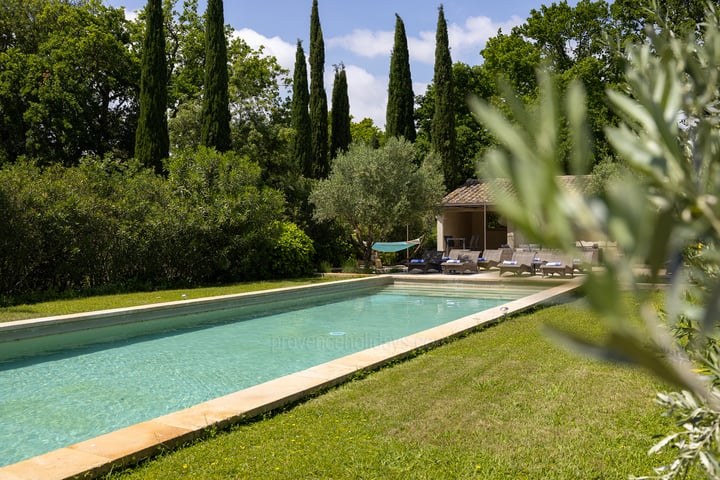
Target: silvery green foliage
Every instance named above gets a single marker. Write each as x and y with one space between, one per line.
373 191
665 215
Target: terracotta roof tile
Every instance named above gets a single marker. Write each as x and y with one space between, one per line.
476 192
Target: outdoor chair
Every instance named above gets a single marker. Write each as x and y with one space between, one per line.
520 263
453 262
467 262
430 260
584 260
557 263
490 258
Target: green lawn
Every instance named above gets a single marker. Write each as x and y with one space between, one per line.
102 302
502 403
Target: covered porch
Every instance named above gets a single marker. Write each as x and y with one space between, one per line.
472 228
469 218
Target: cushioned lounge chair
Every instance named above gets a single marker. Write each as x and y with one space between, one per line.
431 260
520 263
461 261
471 261
584 260
467 261
490 258
557 263
453 254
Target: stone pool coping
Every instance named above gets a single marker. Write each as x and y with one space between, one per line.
127 446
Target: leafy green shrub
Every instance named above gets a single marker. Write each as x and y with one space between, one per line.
228 218
81 227
115 223
350 265
293 252
20 237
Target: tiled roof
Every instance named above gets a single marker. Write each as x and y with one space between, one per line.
476 192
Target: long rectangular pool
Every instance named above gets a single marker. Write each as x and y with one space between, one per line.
78 383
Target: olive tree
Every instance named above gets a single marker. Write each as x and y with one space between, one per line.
373 191
665 215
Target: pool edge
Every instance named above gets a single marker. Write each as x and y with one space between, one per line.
35 327
127 446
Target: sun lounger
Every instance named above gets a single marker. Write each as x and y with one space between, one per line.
467 260
490 258
520 263
451 257
431 260
557 263
584 260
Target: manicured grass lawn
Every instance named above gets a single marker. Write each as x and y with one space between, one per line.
502 403
103 302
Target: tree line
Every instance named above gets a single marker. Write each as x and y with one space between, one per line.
87 95
72 71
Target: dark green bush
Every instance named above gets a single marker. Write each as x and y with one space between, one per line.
106 223
293 253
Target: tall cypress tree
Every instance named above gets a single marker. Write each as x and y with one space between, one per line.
152 143
300 117
215 126
443 122
318 98
340 114
399 121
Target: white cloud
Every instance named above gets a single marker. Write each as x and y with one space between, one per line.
283 51
367 94
365 43
371 44
419 88
470 38
132 15
422 48
466 40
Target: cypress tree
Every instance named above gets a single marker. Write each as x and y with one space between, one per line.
300 117
215 126
340 114
399 121
443 122
152 143
318 98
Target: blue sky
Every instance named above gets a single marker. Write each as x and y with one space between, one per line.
359 34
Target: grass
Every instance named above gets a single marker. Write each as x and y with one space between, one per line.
501 403
103 302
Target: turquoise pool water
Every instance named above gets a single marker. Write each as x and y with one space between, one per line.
53 399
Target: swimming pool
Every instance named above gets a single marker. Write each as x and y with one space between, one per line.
53 398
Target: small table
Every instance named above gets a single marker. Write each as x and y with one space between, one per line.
534 265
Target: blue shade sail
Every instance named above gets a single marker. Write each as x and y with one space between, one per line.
395 246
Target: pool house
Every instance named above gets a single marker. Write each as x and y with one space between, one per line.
469 217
